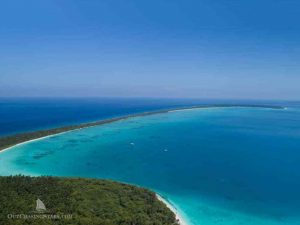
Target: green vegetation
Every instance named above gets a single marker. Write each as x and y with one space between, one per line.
79 201
6 142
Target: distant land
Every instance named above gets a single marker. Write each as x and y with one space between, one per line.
12 140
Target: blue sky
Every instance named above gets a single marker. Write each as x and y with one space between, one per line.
160 48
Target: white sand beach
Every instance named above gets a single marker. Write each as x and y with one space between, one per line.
35 139
173 209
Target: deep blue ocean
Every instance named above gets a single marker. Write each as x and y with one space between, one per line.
29 114
228 166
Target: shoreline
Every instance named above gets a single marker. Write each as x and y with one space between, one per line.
8 142
30 136
179 217
32 140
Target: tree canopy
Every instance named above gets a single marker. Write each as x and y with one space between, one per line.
79 201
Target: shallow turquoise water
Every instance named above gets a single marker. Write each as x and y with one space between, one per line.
217 166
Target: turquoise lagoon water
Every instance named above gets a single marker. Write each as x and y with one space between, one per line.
217 166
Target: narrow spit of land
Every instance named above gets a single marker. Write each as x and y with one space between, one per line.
9 141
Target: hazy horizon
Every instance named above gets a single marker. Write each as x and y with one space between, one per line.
159 49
